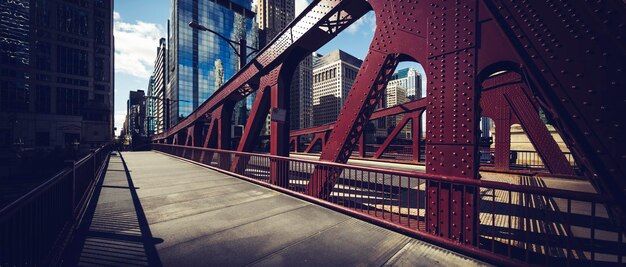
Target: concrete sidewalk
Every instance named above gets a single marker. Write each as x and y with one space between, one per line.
199 217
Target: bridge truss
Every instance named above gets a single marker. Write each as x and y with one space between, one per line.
563 57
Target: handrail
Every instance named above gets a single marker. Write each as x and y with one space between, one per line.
23 200
574 195
60 202
5 211
402 201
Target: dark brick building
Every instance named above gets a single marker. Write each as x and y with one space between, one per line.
56 73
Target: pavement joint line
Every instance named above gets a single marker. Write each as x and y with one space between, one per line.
194 190
208 187
399 252
269 255
216 209
240 225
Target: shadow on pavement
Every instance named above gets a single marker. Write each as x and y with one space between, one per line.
114 230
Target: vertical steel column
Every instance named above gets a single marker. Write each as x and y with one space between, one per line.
279 136
452 116
503 123
362 145
415 135
294 140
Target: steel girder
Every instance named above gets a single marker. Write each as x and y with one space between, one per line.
269 97
571 54
441 36
318 137
319 23
574 54
414 118
497 94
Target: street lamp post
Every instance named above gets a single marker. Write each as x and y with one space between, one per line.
241 52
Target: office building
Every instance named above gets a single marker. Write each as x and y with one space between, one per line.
156 91
149 106
135 109
333 75
396 94
56 73
411 80
273 16
192 53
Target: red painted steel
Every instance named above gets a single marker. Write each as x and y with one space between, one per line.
258 113
574 56
570 55
396 130
537 132
496 99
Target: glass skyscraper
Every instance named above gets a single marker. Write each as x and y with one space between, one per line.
193 54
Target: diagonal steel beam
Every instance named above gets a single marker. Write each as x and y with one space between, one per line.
306 32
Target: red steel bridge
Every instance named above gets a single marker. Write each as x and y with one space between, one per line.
495 58
512 61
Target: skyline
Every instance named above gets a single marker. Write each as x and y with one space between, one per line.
137 35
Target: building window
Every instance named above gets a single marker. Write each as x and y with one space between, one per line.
70 101
43 14
5 138
42 138
43 99
44 56
72 20
100 72
99 98
14 96
100 32
72 61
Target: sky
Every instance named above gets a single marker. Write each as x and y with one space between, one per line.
139 24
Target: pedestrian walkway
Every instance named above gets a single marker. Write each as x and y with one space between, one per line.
114 231
166 211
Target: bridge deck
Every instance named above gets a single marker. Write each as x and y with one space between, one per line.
161 210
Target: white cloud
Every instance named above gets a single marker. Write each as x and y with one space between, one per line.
301 5
368 20
135 46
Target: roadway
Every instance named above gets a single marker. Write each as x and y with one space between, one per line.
152 209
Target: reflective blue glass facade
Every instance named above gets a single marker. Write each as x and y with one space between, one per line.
193 53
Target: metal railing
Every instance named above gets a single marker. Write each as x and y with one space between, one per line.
525 223
529 159
34 228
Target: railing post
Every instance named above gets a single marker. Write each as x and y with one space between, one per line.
93 159
72 164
